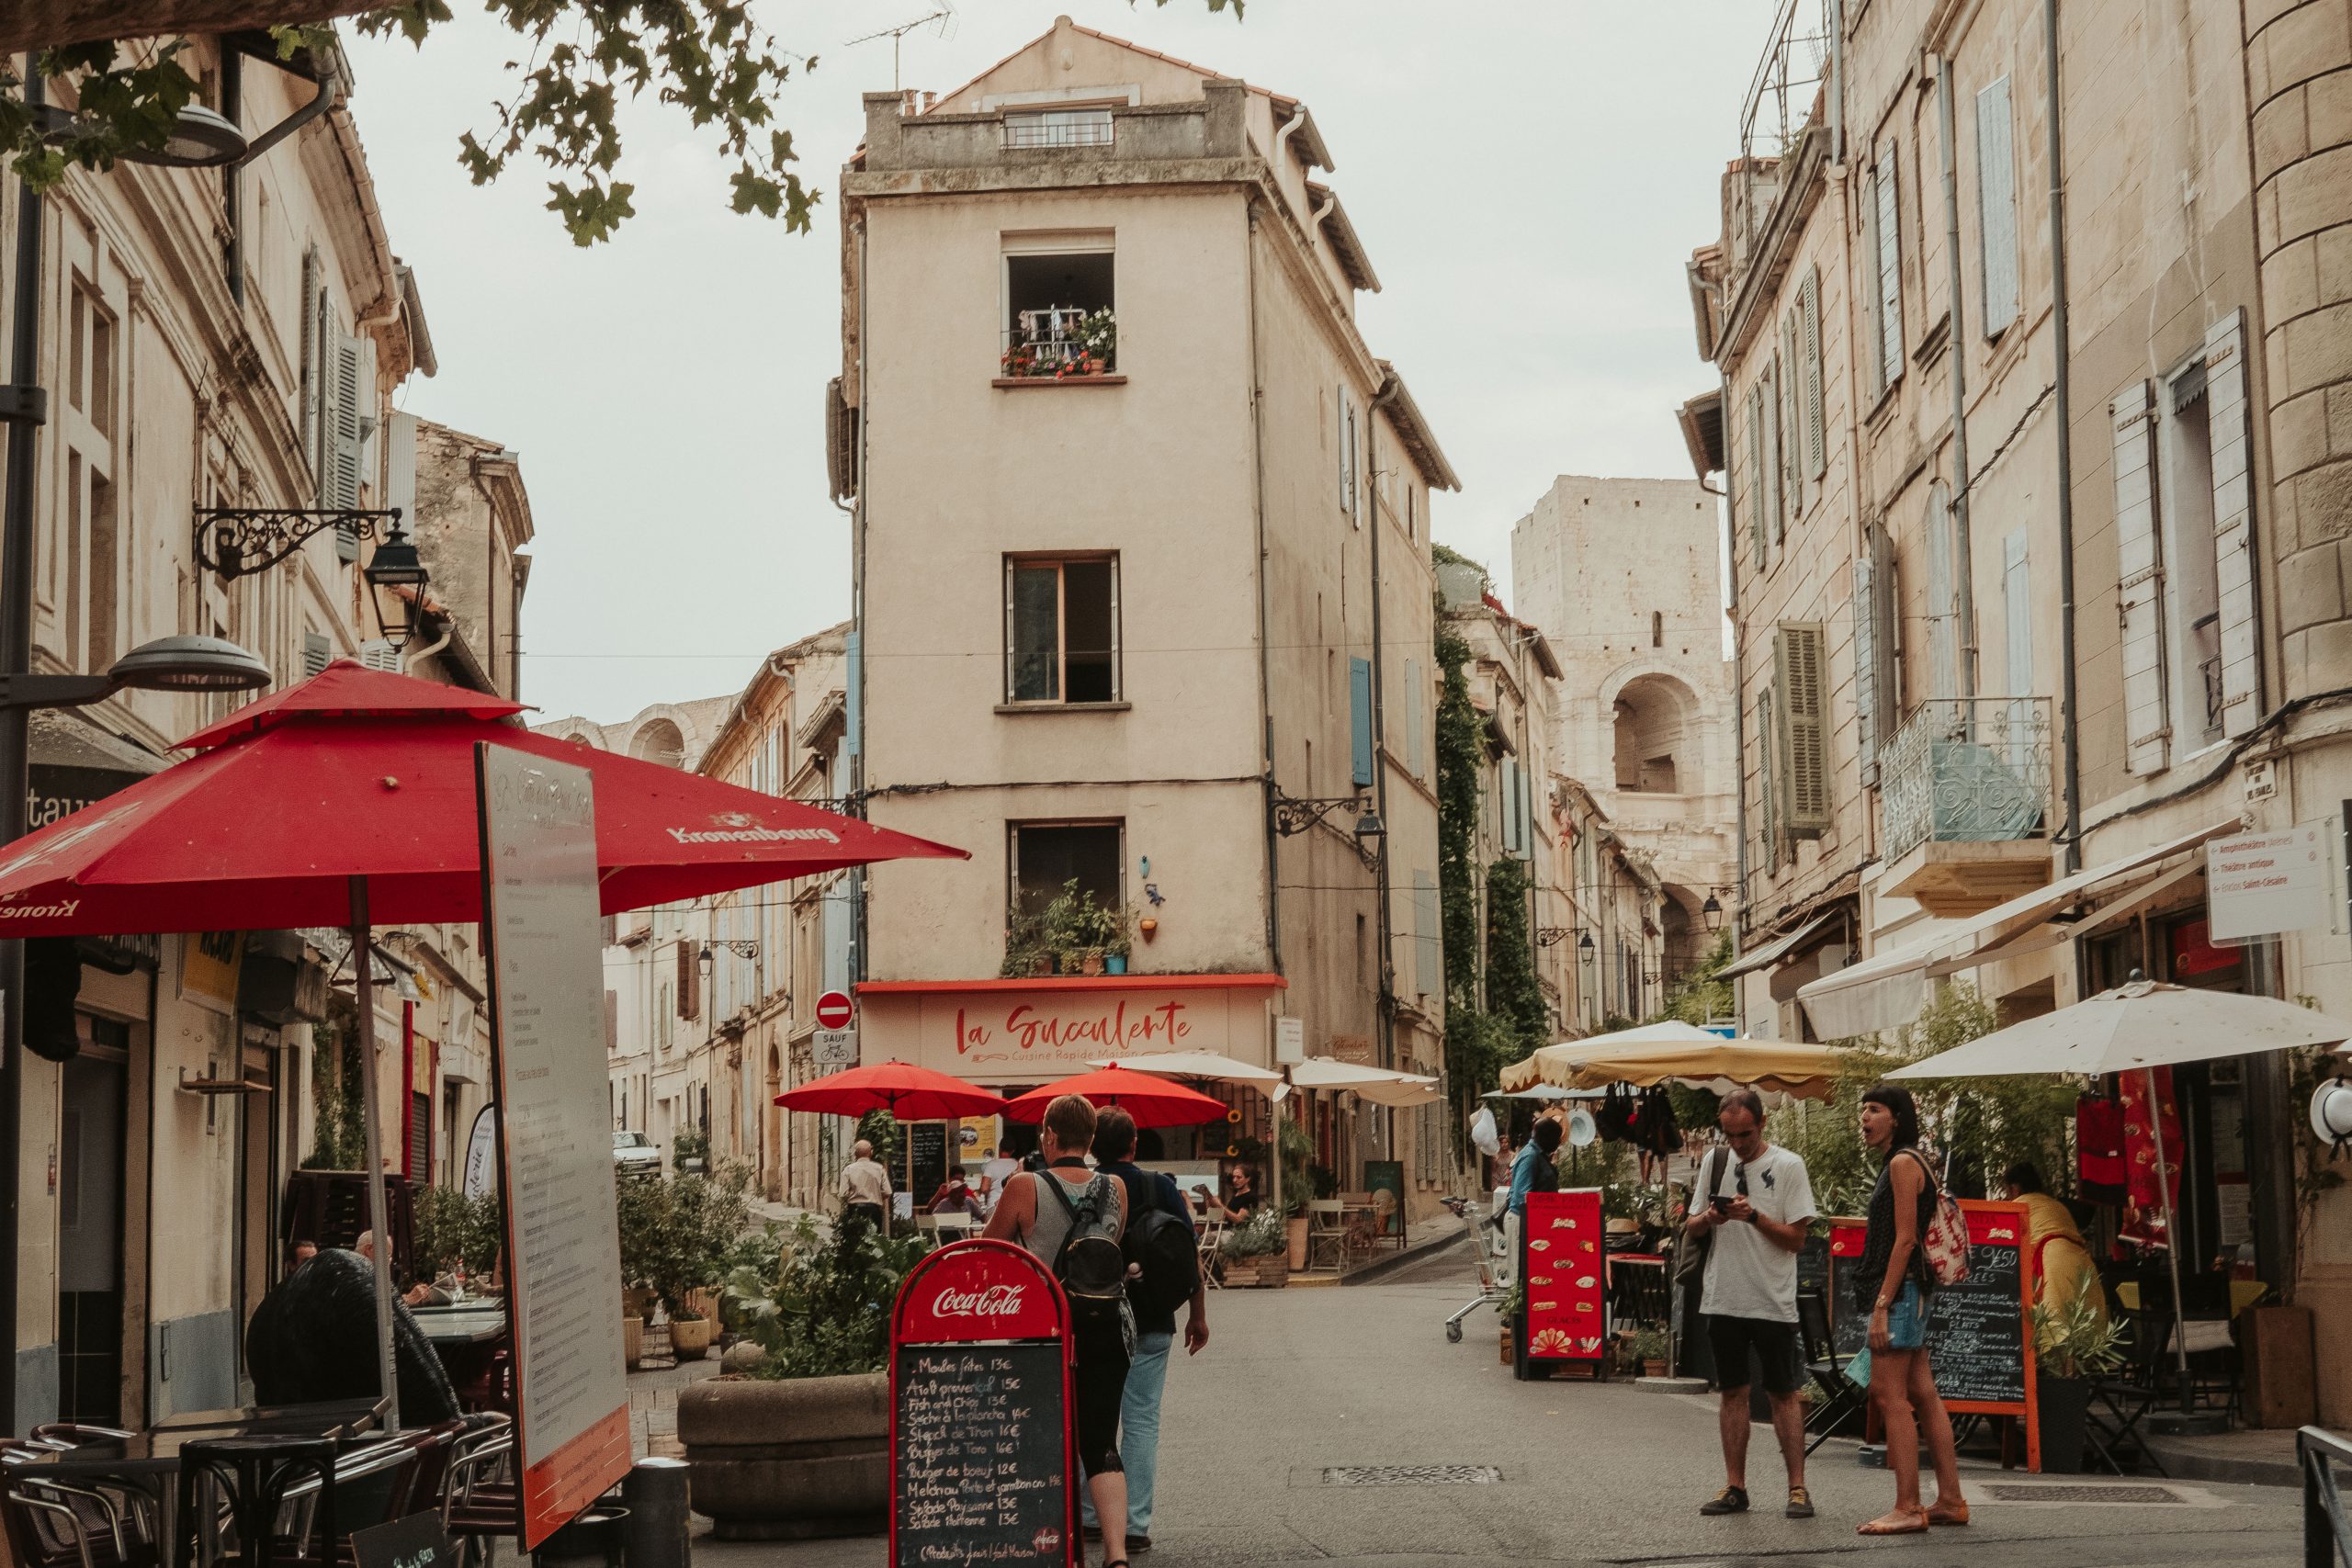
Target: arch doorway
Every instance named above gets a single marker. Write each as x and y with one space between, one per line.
1657 750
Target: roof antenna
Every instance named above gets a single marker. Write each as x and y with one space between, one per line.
944 18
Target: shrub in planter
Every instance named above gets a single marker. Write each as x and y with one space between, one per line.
1647 1347
801 1446
1257 1250
2072 1346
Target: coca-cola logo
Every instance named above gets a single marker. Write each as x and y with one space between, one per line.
989 1301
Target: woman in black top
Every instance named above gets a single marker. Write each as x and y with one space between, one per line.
1891 1284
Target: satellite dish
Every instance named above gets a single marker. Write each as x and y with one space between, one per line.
1581 1130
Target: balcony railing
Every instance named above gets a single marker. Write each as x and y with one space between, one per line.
1060 342
1967 770
1092 129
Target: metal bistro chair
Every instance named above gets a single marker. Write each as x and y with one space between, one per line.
1212 1244
481 1500
323 1490
1327 1234
61 1524
1841 1395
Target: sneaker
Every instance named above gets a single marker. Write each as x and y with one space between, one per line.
1800 1503
1138 1543
1730 1500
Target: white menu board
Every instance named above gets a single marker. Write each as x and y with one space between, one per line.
540 925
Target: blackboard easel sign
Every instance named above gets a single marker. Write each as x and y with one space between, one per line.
1980 1332
983 1455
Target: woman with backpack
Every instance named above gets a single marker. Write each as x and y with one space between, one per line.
1892 1284
1071 1218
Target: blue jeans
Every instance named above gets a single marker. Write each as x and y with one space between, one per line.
1139 1429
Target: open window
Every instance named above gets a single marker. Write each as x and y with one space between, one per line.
1060 318
1047 857
1061 629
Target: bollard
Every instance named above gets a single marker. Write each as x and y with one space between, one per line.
655 1494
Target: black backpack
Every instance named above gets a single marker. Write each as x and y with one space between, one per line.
1163 1246
1092 1269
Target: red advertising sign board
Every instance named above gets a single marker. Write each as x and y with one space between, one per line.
1565 1269
833 1011
983 1457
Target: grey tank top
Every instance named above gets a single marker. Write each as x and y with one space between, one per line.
1052 1224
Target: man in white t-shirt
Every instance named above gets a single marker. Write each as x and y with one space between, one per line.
1751 1206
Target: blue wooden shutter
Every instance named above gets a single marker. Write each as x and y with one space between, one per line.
1359 719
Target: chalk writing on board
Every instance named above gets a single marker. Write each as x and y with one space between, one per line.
981 1474
1977 1328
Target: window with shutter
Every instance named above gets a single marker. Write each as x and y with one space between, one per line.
1804 742
377 654
1886 240
1428 974
2225 395
1792 438
1816 429
307 412
1865 613
1768 814
1943 619
1760 525
1997 208
2139 586
1775 496
1413 717
1360 721
689 981
317 653
346 405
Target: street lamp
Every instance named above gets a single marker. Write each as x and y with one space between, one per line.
396 578
1713 910
200 139
166 664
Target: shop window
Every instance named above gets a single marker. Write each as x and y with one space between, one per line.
1061 630
1047 857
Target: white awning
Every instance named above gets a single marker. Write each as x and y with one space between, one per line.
1887 990
1773 952
1376 1085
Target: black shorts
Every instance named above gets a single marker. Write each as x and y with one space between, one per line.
1775 1344
1101 1375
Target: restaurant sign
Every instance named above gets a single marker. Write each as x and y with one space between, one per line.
1016 1034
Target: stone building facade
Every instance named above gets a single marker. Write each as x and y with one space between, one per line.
1625 576
1100 307
2015 644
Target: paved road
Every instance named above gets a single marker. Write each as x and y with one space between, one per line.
1296 1382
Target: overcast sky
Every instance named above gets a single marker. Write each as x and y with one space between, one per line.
1528 176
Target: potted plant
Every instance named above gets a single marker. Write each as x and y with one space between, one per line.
1257 1252
799 1445
1512 1307
1647 1347
640 1201
2072 1346
704 1215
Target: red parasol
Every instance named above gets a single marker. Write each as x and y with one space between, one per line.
909 1093
357 773
1152 1101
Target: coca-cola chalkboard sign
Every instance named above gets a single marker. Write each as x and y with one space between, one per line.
982 1466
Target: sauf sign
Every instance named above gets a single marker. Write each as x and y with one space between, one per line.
1045 1027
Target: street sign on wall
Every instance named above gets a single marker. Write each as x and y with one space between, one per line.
541 927
833 1047
2263 884
833 1010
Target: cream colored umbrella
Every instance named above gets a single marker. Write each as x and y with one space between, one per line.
1377 1086
2138 1026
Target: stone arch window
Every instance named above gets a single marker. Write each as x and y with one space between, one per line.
659 740
1657 629
1657 742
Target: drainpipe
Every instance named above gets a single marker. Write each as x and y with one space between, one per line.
858 964
1738 701
2061 410
1956 345
1265 685
1838 83
1390 387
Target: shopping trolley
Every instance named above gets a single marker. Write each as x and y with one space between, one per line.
1486 1250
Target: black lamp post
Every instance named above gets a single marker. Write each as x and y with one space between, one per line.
396 578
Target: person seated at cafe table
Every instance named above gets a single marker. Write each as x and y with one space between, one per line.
957 1196
419 1294
1243 1206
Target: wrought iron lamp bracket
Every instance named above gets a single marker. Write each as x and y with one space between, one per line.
1293 817
1549 936
235 541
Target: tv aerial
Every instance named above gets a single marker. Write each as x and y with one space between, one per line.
943 19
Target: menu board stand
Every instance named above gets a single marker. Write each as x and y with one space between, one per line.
983 1453
1563 1271
554 1170
1980 1332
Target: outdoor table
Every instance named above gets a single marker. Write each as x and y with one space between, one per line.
470 1339
466 1324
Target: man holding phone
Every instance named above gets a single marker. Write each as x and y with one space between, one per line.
1751 1211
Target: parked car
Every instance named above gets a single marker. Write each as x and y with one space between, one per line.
634 1153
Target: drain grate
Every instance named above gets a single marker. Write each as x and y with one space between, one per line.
2133 1496
1412 1476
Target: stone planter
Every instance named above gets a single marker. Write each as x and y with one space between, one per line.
689 1337
789 1461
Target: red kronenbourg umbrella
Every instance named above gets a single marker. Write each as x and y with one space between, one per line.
1153 1103
359 773
909 1093
349 799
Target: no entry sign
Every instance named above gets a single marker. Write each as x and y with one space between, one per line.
833 1011
981 1450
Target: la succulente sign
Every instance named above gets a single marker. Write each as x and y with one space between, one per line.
1012 1032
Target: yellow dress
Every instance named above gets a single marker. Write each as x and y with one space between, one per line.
2065 1260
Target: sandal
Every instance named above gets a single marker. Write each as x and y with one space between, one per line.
1896 1523
1952 1513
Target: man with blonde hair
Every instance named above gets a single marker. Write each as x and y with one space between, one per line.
1071 1218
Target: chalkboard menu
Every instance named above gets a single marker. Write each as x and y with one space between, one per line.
1976 1330
981 1462
981 1440
1850 1326
927 1157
